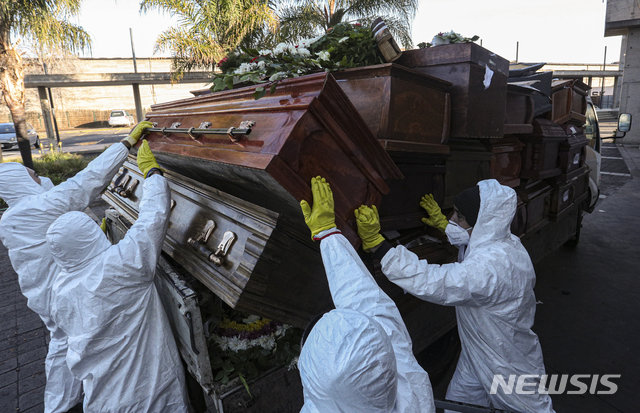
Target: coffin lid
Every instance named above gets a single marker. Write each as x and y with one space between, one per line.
455 53
395 70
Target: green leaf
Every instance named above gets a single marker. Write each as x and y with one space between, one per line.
219 375
259 92
245 384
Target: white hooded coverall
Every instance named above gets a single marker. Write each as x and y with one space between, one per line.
120 341
32 208
358 357
492 290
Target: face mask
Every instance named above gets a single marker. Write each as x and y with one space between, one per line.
456 234
46 183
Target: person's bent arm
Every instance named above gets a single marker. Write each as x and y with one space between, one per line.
140 248
472 282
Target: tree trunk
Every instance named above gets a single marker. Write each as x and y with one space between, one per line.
12 88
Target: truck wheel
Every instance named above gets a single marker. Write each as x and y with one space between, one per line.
573 241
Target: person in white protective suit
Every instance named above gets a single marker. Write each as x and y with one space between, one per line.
492 290
358 357
34 203
120 342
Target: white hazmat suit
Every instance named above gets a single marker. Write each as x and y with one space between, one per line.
120 341
32 209
492 289
358 357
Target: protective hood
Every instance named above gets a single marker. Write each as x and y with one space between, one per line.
497 208
347 364
16 183
74 239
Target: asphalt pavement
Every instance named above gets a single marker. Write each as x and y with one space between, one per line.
589 297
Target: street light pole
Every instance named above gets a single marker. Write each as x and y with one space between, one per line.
53 111
136 86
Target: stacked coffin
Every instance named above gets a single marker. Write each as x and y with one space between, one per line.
377 134
478 147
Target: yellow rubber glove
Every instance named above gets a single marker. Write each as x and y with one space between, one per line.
146 160
321 217
436 218
137 132
103 225
368 222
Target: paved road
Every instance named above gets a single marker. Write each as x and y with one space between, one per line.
587 320
78 141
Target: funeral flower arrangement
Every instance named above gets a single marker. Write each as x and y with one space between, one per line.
344 46
448 38
243 348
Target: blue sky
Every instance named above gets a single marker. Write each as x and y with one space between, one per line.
555 31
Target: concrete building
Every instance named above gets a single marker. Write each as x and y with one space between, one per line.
623 18
90 106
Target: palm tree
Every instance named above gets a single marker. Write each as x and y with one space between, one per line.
41 22
306 18
209 30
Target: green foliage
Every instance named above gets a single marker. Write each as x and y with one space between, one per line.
209 30
448 38
44 23
59 166
344 46
304 18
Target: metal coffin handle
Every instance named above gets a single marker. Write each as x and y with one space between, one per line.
217 257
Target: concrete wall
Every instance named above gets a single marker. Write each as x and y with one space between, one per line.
630 95
82 105
621 15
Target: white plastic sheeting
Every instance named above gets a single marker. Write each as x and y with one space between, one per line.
358 357
492 290
120 341
32 208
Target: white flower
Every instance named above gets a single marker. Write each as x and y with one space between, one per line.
303 52
266 52
323 55
251 319
261 65
245 67
280 48
344 39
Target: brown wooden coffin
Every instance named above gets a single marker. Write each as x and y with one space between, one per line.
307 127
537 197
571 155
540 153
519 111
569 99
567 194
479 91
424 169
399 103
506 160
469 162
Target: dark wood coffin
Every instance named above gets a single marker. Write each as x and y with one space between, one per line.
479 91
540 153
569 100
567 194
519 111
307 127
537 197
571 155
469 162
399 103
424 169
506 160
